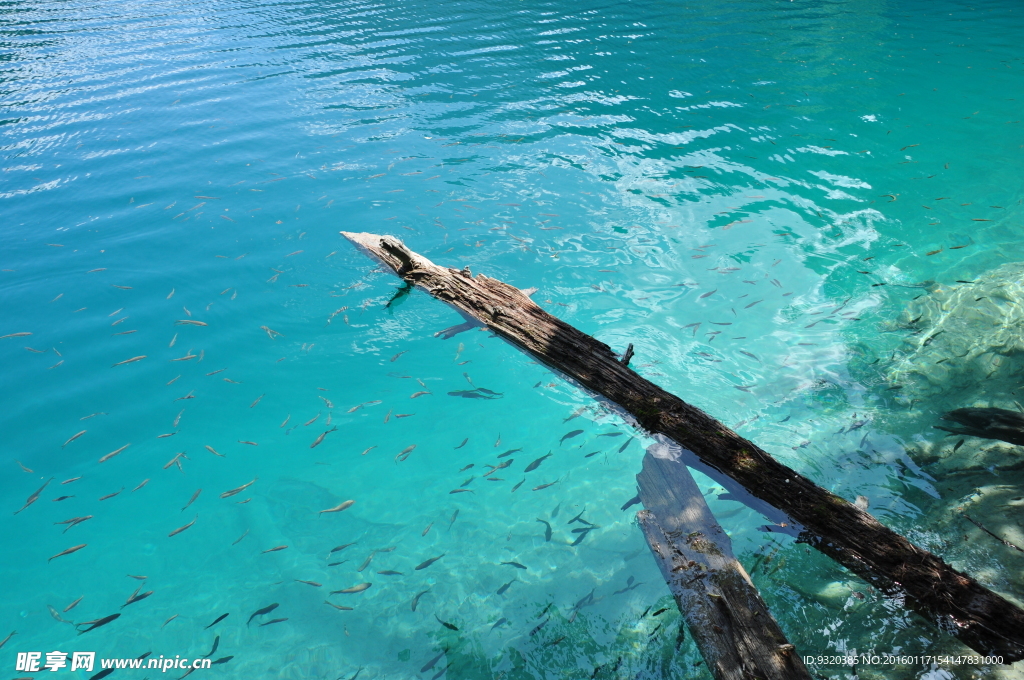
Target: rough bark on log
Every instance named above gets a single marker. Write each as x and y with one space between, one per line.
736 634
955 602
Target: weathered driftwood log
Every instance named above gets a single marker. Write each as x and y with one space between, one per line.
958 604
724 613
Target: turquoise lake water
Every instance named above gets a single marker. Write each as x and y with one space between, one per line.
789 175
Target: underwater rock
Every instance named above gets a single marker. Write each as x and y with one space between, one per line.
966 343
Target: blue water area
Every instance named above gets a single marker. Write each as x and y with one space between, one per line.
751 193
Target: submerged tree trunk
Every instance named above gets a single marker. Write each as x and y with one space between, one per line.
955 602
724 613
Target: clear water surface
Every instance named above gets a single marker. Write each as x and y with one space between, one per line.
759 168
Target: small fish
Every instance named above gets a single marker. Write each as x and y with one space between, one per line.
575 414
544 486
395 358
339 607
430 664
239 539
14 335
547 529
499 622
274 549
57 617
190 322
509 452
501 590
536 464
213 451
93 625
135 598
321 437
407 450
141 484
958 445
570 435
426 564
337 508
389 572
257 400
218 620
313 419
427 529
216 644
447 625
578 517
583 534
68 551
182 528
515 564
368 450
72 605
309 583
73 438
518 484
168 621
708 294
228 494
452 520
354 589
192 500
35 496
416 600
340 548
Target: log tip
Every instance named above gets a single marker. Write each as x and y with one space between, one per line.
364 239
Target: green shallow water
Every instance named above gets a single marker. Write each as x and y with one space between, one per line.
789 175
